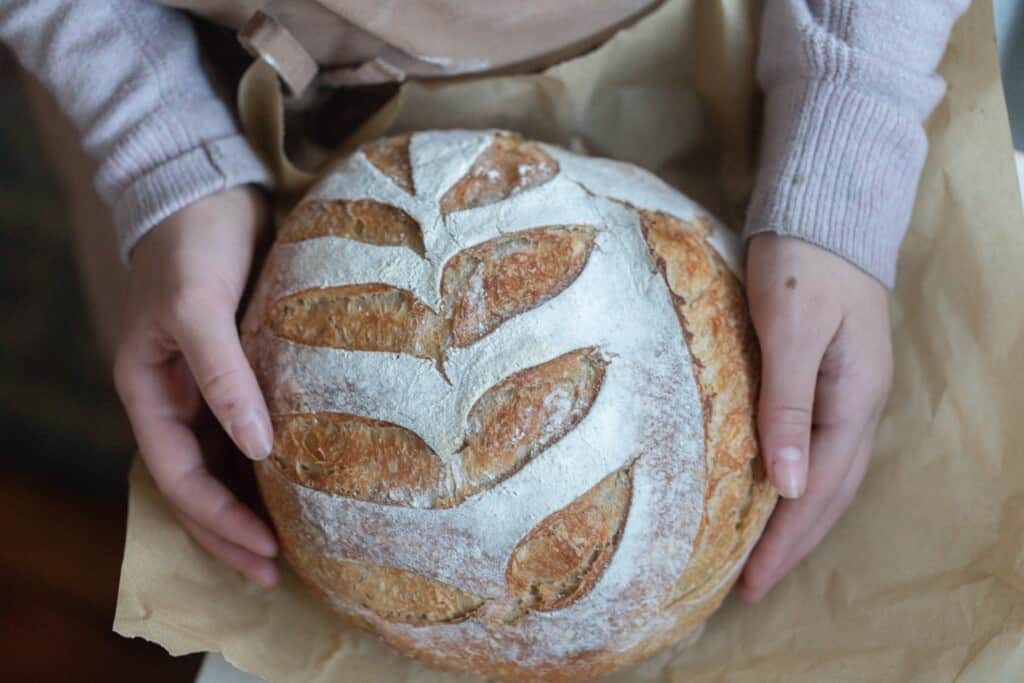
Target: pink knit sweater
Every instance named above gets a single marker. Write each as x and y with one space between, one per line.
848 85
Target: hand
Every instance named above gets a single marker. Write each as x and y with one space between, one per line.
823 327
180 343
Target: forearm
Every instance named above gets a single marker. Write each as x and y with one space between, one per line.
848 86
128 75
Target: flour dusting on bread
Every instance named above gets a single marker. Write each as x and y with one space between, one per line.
648 415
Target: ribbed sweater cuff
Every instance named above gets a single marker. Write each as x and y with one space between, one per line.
213 166
839 168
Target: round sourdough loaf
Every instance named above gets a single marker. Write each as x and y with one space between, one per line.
513 398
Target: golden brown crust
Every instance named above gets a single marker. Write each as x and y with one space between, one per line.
355 457
562 558
391 157
681 252
524 414
739 498
388 592
371 317
712 310
362 220
510 165
565 555
485 285
371 460
482 287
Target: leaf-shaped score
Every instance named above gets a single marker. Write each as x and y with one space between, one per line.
388 592
363 220
508 166
564 556
390 156
485 285
359 458
371 317
526 413
385 463
379 462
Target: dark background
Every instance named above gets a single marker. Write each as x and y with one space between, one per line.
66 446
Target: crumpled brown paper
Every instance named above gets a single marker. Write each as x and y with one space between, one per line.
923 579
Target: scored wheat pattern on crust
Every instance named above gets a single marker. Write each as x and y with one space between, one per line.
480 290
508 166
374 461
503 515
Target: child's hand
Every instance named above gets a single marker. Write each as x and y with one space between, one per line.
823 326
180 342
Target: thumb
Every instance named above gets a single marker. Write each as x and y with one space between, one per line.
209 341
789 373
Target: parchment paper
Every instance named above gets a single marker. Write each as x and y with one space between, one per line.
923 579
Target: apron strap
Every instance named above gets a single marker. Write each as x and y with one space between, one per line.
266 39
261 110
374 72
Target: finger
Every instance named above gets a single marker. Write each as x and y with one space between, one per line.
205 329
783 545
259 569
789 374
853 381
850 392
830 515
172 453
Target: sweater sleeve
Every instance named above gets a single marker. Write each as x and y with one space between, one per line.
128 75
848 85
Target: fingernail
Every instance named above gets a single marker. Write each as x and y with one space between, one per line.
787 471
266 546
253 436
265 576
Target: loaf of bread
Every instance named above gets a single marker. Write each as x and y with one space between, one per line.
513 396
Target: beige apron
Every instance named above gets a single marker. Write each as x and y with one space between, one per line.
352 42
335 43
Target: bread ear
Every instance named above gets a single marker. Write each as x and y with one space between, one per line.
359 458
390 156
363 220
371 317
524 414
563 556
510 165
485 285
